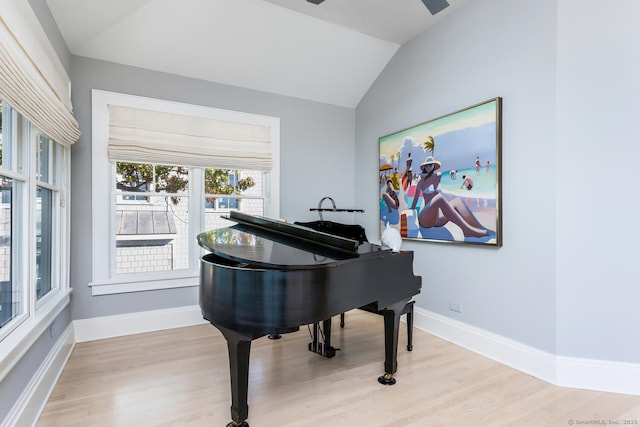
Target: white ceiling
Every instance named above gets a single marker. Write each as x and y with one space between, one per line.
331 52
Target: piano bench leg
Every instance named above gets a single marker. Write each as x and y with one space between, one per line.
342 320
409 311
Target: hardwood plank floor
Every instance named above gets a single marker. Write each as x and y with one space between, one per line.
180 377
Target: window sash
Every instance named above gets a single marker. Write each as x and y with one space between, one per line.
153 235
45 238
11 295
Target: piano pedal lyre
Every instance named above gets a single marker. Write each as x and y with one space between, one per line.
321 339
322 349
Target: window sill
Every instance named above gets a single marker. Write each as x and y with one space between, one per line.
14 346
109 288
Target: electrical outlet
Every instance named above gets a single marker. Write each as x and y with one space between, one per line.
455 306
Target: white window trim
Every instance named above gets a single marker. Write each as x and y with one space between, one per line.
103 246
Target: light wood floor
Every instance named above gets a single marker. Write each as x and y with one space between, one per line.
180 377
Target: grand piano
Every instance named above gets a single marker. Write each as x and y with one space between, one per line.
267 277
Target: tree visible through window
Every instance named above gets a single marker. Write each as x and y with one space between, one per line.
140 177
225 182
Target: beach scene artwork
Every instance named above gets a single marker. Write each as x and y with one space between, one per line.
440 180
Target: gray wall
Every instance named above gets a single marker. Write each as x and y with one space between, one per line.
563 281
597 180
474 55
317 157
12 386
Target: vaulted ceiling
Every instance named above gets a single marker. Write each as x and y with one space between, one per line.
331 52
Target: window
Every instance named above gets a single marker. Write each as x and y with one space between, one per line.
175 170
152 234
49 162
32 178
228 189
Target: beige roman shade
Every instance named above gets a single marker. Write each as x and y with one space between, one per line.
32 78
174 139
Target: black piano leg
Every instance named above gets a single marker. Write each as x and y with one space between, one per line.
239 347
392 316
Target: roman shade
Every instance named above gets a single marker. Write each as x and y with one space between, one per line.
32 78
174 139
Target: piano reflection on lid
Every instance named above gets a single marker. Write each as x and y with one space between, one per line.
263 277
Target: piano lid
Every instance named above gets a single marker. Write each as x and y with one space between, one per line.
270 243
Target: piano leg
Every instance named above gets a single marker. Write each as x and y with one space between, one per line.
239 347
392 316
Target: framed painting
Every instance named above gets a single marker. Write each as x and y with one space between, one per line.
440 180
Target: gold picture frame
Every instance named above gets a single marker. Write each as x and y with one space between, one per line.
440 181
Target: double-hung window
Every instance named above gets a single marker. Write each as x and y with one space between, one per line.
33 181
37 130
162 173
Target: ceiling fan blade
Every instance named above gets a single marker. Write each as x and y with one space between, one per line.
435 6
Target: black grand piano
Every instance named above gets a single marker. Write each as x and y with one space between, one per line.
267 277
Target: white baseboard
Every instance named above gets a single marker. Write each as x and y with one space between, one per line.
136 323
29 406
614 377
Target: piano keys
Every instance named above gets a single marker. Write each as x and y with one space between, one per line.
267 277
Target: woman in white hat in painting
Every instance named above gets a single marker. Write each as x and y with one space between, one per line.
437 210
